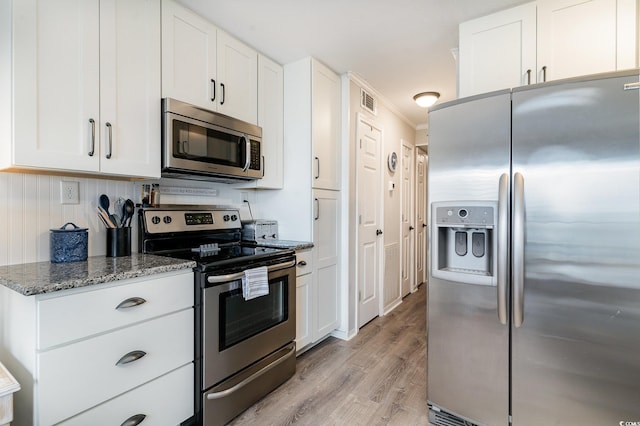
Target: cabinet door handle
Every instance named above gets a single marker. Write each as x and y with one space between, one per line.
131 357
223 94
302 263
93 137
134 420
317 215
130 303
528 77
109 128
317 167
213 90
544 74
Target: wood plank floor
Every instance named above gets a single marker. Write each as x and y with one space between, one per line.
376 378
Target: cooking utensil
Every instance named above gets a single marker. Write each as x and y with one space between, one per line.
105 218
129 208
119 214
105 203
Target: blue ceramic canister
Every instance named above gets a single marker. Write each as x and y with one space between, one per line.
68 245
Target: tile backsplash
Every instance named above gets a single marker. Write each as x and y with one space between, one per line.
30 206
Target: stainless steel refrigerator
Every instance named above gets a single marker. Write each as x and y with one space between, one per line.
534 291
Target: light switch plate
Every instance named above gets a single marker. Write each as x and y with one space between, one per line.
69 192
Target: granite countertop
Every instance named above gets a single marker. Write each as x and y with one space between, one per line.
46 277
295 245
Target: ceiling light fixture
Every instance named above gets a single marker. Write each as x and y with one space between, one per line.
426 99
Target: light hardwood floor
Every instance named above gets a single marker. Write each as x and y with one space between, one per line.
376 378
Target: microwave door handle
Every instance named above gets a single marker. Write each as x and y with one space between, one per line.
247 152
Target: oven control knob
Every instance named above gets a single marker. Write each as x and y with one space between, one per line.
234 217
167 219
225 218
155 220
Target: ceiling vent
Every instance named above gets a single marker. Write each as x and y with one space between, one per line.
368 102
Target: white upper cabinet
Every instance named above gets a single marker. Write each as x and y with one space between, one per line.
188 56
271 120
577 37
546 40
204 66
498 51
325 126
86 86
237 66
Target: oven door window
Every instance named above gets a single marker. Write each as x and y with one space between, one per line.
241 319
199 143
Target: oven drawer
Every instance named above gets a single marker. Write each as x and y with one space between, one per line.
67 317
231 397
85 374
304 263
167 400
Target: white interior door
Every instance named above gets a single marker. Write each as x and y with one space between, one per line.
421 217
408 227
369 221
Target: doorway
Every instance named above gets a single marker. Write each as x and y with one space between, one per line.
407 219
421 216
369 205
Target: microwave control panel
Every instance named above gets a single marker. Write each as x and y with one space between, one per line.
254 156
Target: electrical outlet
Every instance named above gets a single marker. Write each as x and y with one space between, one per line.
69 192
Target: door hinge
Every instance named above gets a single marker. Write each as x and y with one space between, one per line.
359 296
632 86
359 219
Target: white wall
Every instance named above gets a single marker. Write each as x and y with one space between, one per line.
30 206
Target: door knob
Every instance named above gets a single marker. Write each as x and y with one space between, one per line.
411 228
378 232
424 225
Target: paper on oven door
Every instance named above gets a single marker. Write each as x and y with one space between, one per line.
255 283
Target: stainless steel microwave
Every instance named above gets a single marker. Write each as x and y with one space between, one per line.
205 145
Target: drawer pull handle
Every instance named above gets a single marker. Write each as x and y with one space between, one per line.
134 420
130 357
131 302
302 263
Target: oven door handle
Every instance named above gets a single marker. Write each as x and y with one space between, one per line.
215 279
263 370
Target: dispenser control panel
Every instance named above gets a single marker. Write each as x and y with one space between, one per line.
466 216
464 241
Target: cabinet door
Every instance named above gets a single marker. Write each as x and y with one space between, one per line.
270 118
578 37
56 83
498 51
326 240
188 57
304 311
325 126
130 87
238 74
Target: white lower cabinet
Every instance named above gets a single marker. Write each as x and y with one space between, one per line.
94 370
304 305
167 400
103 353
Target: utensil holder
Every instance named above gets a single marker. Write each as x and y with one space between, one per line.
119 242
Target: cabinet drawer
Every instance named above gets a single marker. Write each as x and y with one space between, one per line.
305 262
65 318
167 400
81 375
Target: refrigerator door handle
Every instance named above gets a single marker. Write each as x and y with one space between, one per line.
503 246
518 249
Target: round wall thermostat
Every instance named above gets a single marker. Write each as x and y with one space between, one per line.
392 161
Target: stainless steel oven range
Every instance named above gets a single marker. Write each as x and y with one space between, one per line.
245 345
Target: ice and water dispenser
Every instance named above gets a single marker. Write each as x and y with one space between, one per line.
464 241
